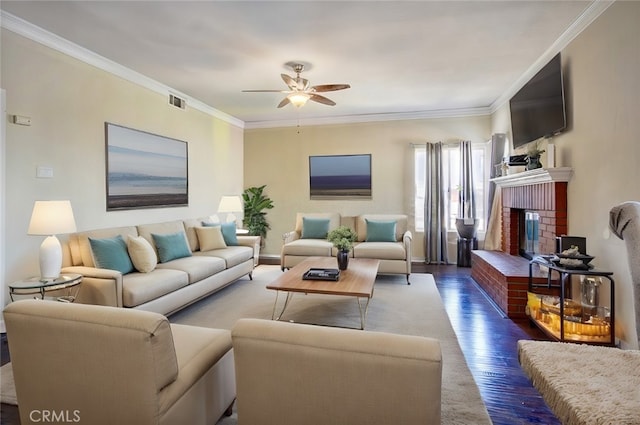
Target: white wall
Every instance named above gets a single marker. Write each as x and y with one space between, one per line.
68 102
279 158
601 68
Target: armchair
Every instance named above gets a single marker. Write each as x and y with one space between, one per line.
107 365
291 374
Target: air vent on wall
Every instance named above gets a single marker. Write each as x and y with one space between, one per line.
177 102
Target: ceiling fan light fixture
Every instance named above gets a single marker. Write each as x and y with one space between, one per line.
298 99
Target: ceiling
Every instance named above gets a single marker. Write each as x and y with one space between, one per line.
403 59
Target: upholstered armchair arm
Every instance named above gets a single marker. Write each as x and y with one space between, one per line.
290 236
99 286
406 240
252 242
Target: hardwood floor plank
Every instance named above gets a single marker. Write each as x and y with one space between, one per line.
489 342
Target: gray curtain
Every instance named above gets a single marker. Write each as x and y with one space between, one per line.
435 232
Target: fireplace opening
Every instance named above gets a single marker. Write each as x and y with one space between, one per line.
529 232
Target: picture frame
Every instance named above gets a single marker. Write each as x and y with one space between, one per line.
340 176
144 170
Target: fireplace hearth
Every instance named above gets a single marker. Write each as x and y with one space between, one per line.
534 213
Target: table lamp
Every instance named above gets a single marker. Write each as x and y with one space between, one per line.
48 219
229 205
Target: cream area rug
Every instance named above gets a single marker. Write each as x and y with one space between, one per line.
7 387
585 385
396 307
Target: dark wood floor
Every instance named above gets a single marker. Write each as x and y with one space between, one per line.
488 340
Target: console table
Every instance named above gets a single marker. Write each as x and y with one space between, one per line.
570 320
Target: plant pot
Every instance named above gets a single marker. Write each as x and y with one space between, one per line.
343 259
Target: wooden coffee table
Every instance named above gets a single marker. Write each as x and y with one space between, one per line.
357 281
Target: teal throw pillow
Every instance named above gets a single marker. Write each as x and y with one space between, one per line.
111 253
228 231
315 228
381 231
171 246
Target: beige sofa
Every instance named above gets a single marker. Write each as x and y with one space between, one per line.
395 256
291 374
104 365
169 286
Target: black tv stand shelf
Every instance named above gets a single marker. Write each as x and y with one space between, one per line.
578 324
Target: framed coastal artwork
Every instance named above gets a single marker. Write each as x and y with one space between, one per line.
144 170
340 176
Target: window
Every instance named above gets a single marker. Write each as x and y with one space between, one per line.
451 171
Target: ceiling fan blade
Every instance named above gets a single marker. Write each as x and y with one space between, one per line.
284 102
291 82
330 87
265 91
322 99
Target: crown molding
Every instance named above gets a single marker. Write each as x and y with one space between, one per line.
53 41
365 118
589 15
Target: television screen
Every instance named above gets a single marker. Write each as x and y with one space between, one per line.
538 109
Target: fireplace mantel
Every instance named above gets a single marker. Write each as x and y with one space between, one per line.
539 175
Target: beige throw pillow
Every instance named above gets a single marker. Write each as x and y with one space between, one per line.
210 238
142 254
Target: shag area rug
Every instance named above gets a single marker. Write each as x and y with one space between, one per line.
583 384
396 307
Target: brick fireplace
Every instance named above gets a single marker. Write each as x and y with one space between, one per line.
504 274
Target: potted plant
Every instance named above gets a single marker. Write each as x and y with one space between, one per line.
533 156
342 238
255 202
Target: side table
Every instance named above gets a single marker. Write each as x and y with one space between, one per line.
36 285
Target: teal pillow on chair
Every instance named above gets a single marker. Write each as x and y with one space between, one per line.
228 231
314 228
381 231
171 246
111 253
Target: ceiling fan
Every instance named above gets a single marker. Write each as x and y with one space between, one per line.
300 90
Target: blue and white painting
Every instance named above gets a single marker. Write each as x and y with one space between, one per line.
340 176
145 170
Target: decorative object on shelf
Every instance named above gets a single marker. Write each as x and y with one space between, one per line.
230 205
48 219
533 156
342 238
255 220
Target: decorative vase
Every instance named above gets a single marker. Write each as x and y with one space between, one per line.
533 162
343 259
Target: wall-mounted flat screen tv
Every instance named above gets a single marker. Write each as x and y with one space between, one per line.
538 109
340 176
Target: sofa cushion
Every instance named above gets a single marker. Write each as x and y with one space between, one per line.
232 255
380 250
308 248
210 238
381 231
229 232
81 249
142 254
171 246
402 223
315 228
139 288
196 267
111 253
334 220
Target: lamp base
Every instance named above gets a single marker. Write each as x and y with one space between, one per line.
50 258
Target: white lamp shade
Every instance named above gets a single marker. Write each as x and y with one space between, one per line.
230 204
51 218
298 99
